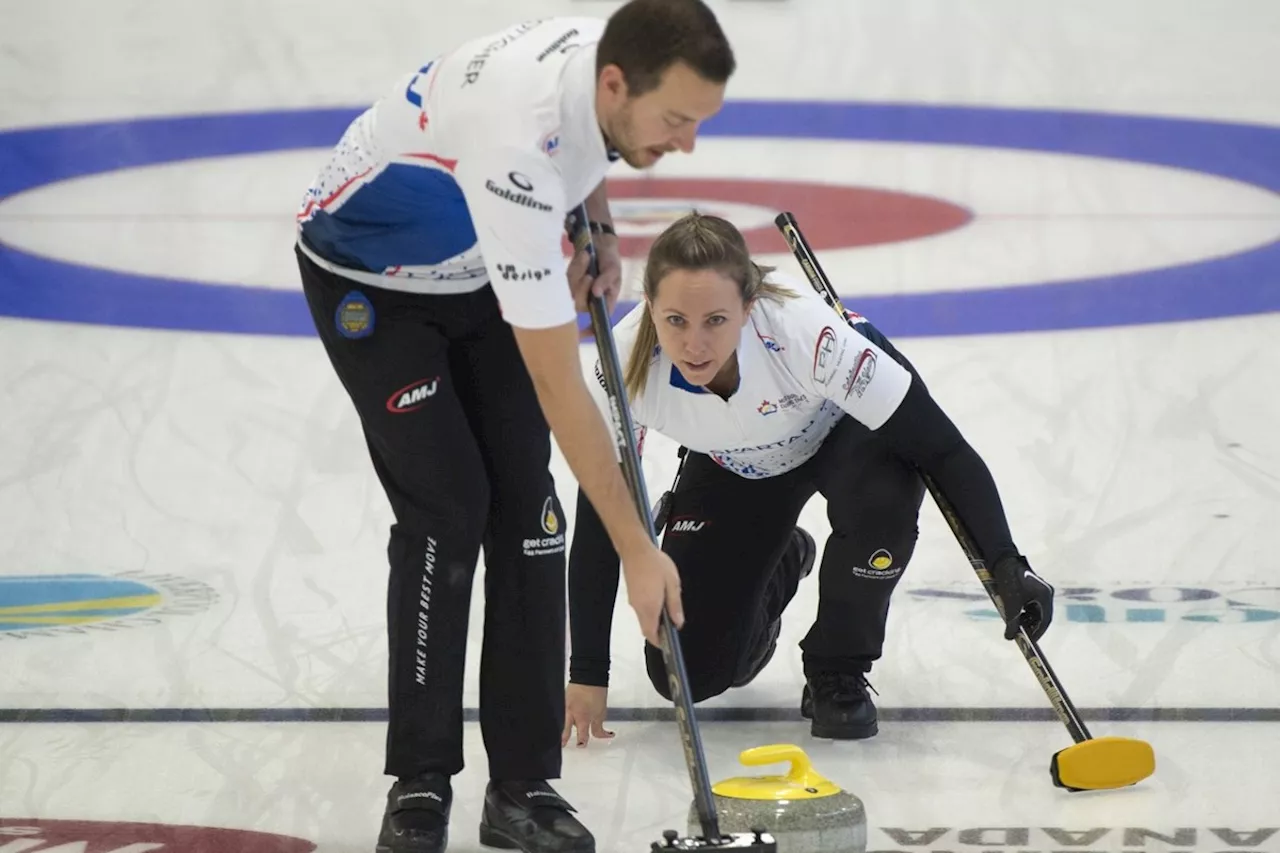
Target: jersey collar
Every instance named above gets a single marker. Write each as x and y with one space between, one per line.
580 102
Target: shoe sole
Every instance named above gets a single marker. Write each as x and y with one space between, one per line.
496 838
839 732
844 732
491 837
409 848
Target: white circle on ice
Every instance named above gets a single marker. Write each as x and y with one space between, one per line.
1038 216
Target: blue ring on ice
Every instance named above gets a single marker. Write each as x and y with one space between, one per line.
37 287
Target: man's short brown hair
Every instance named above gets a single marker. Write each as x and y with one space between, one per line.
646 37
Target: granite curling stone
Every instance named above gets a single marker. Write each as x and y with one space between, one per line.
805 812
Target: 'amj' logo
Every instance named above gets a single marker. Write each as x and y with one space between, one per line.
1141 604
45 605
412 397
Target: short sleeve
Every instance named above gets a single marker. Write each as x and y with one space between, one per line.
517 205
835 362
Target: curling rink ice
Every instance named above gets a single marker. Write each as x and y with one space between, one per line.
1066 214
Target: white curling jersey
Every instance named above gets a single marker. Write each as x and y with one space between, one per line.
801 370
462 175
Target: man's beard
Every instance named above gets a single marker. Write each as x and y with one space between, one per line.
619 137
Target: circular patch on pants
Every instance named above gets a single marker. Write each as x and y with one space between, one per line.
354 317
881 560
110 837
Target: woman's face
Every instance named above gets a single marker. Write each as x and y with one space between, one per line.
699 315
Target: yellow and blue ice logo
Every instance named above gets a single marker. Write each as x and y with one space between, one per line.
30 602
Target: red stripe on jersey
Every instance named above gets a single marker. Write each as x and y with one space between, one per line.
448 164
311 205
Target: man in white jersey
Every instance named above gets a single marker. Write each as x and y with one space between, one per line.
430 253
774 399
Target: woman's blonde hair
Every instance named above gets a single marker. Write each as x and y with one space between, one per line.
695 241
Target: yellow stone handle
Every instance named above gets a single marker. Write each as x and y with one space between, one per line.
801 771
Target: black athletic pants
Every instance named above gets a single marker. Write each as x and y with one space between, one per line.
462 449
729 538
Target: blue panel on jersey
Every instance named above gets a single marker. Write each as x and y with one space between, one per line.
678 381
871 333
407 216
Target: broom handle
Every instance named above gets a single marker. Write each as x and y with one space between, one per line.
1035 658
624 437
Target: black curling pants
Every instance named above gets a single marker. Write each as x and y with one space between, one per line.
731 540
460 445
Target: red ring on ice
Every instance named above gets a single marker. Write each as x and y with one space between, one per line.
831 216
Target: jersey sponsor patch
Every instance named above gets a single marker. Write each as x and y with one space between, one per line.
560 45
828 352
511 272
413 396
792 401
522 197
686 525
860 375
769 342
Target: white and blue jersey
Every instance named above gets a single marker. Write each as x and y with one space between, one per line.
801 370
461 176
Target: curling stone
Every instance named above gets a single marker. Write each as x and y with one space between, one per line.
803 811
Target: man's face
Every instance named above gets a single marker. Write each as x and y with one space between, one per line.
660 121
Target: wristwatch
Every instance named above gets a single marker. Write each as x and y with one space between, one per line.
602 228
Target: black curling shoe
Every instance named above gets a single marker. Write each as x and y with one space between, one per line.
417 815
530 816
839 706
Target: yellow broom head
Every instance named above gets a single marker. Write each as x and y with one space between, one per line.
1103 763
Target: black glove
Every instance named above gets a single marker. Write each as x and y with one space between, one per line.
1027 598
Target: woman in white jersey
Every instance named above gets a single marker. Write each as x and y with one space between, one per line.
776 399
